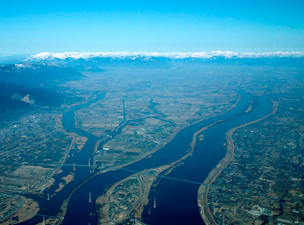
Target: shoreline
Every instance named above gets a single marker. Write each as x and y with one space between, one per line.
59 126
202 196
64 206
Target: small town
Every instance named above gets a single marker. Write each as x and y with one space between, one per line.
264 182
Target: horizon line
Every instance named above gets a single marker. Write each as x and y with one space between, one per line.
176 55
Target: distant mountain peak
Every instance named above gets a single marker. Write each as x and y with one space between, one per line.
175 55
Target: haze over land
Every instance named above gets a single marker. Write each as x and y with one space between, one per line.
66 117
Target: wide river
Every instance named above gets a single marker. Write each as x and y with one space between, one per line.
176 201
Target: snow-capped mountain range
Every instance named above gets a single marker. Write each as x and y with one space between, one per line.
175 55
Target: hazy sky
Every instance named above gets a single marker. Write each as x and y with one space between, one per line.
31 26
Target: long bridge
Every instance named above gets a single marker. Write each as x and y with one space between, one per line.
92 169
160 176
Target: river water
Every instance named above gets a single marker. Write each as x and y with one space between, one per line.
176 201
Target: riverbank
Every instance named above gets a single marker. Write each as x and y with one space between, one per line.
146 179
203 191
71 125
140 184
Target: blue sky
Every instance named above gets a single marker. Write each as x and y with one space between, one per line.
30 26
